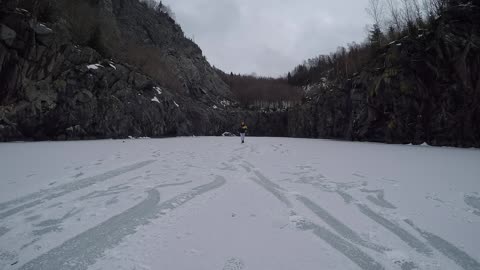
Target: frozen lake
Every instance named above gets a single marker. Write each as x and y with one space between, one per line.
213 203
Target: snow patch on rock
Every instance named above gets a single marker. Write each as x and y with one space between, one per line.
94 66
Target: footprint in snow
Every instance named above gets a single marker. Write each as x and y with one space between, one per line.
234 264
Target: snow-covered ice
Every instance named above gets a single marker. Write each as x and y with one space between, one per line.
213 203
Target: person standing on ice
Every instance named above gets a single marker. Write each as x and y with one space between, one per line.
242 130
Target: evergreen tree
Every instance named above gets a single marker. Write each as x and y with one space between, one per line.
392 35
376 36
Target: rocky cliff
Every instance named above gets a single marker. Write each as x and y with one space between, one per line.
117 68
424 87
67 79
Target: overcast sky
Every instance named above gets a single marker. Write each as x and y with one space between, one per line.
269 37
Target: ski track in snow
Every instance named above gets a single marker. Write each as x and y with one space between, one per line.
309 197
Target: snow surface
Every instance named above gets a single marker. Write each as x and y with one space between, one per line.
155 99
213 203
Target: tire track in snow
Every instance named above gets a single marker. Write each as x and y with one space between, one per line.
404 235
474 202
338 226
405 265
82 250
271 187
379 200
356 255
3 230
448 249
347 198
248 169
173 184
42 196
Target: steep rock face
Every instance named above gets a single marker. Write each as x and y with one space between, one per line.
51 88
422 88
139 25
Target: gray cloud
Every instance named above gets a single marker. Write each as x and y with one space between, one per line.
269 37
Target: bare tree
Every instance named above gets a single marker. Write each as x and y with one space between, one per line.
375 10
394 13
408 11
432 7
427 8
418 11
